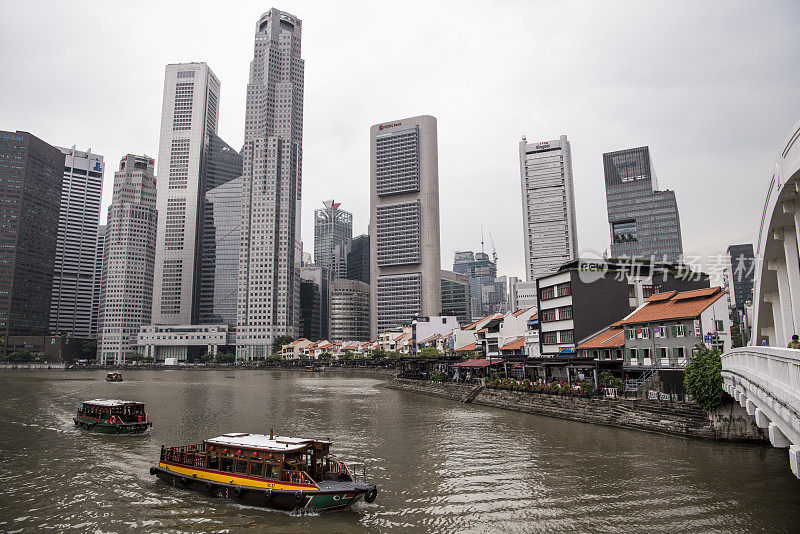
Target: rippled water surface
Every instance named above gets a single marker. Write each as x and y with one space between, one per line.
440 466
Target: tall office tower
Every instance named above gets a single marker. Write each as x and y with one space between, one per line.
483 282
548 205
314 313
30 197
405 263
97 278
126 293
358 259
349 314
332 226
644 221
220 263
188 122
71 302
270 249
741 273
456 296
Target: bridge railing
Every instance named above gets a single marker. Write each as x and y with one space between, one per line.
766 381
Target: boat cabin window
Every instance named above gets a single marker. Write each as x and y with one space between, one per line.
241 466
256 468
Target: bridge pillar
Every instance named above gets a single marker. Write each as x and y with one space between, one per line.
750 406
777 319
762 421
778 438
789 238
794 460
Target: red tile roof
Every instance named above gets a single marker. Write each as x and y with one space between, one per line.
517 344
475 363
471 346
520 312
612 338
685 304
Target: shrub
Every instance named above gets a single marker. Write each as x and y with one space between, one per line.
703 379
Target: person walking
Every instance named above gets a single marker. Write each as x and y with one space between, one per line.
795 342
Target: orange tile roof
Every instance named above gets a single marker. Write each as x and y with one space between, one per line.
434 336
514 345
481 330
471 346
682 305
535 316
520 312
612 338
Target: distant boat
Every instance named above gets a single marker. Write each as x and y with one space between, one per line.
312 369
276 472
114 377
112 416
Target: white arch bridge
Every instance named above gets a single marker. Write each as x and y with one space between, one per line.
765 380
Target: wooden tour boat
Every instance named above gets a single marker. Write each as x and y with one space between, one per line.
114 377
312 369
113 416
276 472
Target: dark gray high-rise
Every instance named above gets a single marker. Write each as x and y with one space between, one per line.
31 172
644 221
742 267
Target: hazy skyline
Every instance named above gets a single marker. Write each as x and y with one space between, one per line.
713 91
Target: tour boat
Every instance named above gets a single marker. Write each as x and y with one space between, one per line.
113 416
276 472
114 377
312 369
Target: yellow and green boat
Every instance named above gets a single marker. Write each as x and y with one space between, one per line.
276 472
113 416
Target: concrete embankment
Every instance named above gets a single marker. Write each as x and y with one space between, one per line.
677 418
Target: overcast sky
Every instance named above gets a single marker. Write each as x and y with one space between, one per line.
712 87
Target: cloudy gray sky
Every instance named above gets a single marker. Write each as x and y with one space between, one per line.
712 87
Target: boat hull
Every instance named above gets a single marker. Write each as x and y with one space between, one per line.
111 428
332 496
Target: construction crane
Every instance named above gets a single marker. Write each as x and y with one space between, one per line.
494 252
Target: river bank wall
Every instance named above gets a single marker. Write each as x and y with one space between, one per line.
728 423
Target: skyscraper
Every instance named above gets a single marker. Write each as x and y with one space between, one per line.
94 325
332 226
741 272
405 261
349 310
456 296
126 293
188 120
358 259
71 303
643 221
548 205
30 196
270 248
220 262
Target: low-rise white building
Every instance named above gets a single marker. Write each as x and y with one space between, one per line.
170 341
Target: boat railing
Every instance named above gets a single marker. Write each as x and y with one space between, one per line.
336 466
297 477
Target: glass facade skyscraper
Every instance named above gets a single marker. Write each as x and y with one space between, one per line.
643 221
31 172
332 226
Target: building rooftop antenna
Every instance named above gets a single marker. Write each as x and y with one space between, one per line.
481 239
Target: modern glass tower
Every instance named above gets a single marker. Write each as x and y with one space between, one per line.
548 205
644 221
126 293
94 325
270 247
31 173
332 226
71 304
406 262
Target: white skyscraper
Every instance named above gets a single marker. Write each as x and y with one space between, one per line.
94 325
270 248
405 264
127 282
188 120
548 206
71 301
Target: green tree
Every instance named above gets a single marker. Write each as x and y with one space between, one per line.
393 355
348 355
88 350
430 352
279 342
703 378
225 357
736 335
378 353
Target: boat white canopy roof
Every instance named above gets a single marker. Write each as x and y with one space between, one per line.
261 441
111 402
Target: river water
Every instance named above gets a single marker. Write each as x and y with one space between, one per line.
440 466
